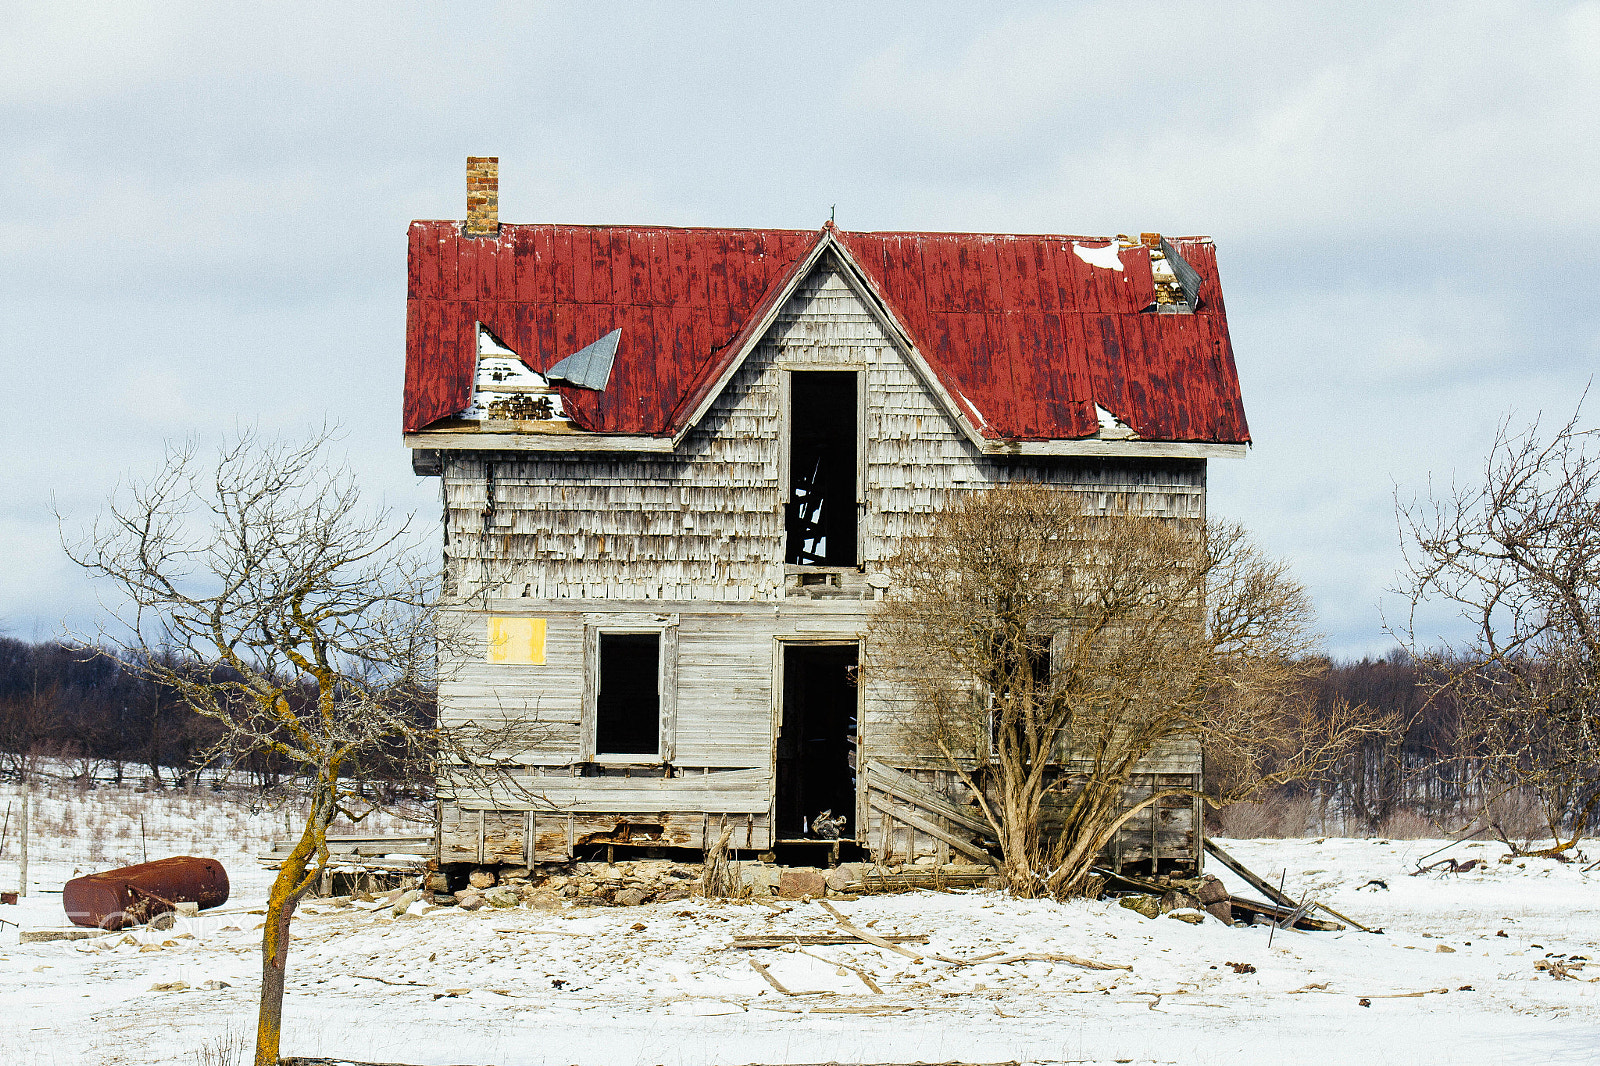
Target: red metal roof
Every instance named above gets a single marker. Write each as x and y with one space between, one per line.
1020 329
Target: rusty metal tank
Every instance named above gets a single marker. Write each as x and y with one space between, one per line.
135 894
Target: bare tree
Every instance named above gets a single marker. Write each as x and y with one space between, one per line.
1044 649
1517 555
261 589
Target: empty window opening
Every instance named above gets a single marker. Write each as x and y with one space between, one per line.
821 515
628 703
817 743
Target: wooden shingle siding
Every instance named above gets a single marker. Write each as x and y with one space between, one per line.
706 523
579 538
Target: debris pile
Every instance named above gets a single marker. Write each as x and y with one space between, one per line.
629 884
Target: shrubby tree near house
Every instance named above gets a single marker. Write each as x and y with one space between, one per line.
1054 646
676 465
1517 554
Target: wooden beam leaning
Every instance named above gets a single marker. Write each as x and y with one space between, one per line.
900 786
966 847
1267 890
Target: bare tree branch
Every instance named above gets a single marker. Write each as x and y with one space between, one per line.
1517 554
1044 649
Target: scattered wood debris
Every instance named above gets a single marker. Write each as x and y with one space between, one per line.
39 936
386 981
843 967
775 983
778 940
1405 995
993 959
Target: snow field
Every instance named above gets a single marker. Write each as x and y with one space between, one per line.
660 984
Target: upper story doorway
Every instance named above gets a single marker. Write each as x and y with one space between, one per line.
821 515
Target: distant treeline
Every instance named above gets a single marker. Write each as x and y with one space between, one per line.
99 718
1421 779
1417 771
94 714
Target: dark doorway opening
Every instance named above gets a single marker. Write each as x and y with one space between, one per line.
821 515
817 740
628 703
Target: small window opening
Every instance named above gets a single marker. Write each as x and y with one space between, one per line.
1031 674
628 704
820 519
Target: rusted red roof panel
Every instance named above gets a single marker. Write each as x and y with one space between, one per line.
1024 332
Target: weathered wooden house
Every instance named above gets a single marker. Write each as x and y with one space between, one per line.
674 461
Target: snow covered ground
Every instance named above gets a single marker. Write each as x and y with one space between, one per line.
660 984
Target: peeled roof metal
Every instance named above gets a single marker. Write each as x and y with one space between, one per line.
1028 335
589 368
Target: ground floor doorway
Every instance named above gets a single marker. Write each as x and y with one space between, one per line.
816 771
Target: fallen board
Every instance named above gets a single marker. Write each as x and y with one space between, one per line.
743 942
37 936
1271 893
1277 913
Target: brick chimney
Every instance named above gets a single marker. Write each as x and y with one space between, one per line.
483 196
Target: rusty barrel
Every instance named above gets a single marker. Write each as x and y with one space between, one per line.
135 894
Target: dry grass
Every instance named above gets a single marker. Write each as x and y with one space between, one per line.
230 1048
110 826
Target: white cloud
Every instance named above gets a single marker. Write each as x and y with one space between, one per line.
1401 196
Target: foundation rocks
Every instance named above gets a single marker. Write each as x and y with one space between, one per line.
630 884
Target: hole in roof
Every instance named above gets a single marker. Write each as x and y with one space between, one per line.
489 344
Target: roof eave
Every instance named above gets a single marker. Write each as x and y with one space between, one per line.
1117 449
470 441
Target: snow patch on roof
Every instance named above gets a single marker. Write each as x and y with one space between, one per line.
489 344
1112 427
1108 257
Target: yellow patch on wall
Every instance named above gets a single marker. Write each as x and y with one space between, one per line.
516 641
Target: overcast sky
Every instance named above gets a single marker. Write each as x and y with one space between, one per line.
203 212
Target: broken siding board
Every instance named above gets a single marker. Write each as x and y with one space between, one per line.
891 781
733 791
556 837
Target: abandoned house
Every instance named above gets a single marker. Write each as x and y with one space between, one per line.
674 462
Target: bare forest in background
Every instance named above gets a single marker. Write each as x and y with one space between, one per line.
1425 781
96 719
